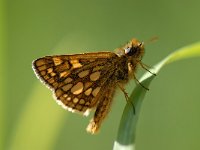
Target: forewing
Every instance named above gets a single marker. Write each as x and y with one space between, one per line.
76 80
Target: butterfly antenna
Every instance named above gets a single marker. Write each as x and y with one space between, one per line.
151 40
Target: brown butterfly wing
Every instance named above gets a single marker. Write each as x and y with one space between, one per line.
76 80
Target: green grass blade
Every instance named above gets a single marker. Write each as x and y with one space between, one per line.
127 129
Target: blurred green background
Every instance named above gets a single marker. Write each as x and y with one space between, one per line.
30 118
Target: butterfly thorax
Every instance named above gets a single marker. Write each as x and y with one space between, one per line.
131 54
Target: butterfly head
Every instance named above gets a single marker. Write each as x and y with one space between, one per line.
134 49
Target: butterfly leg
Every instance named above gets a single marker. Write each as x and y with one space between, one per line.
138 82
126 96
102 110
145 68
123 90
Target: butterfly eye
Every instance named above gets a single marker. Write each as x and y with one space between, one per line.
127 50
130 50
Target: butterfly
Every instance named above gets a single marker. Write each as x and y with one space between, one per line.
82 82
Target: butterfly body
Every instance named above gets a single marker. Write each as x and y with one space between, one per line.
82 82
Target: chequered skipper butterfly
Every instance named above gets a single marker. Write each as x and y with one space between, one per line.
82 82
